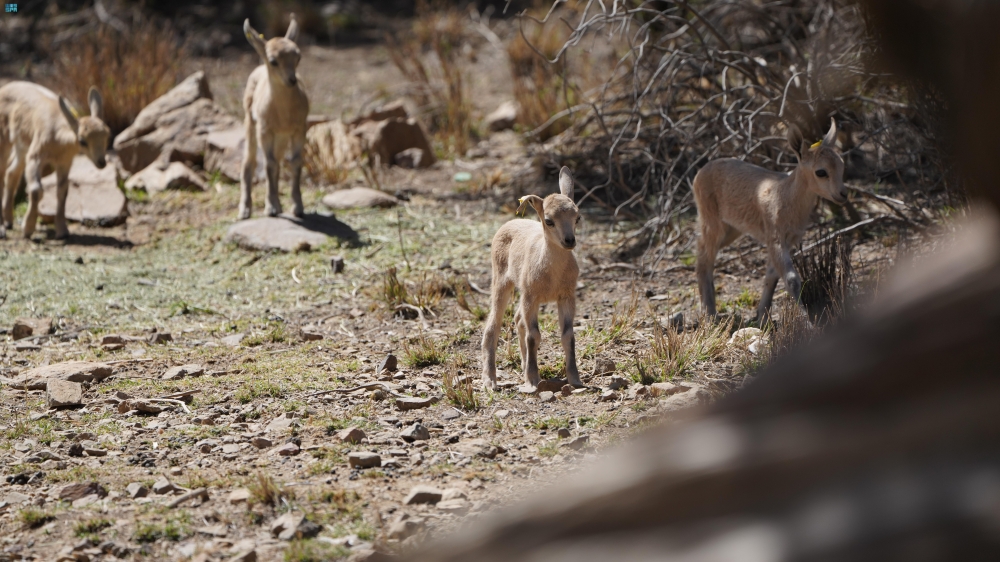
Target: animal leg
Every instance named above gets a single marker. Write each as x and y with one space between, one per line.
708 247
12 180
32 174
793 283
62 189
767 293
249 168
567 310
522 333
297 208
273 205
499 298
529 316
729 236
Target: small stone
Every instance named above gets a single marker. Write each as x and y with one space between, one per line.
677 321
404 526
478 448
143 406
411 158
136 490
364 459
112 339
415 403
457 506
696 396
75 450
603 366
163 486
563 433
95 451
546 396
294 525
637 390
551 385
287 450
26 346
665 388
416 432
230 448
63 394
261 442
451 414
609 396
503 117
53 465
182 371
233 340
422 493
239 495
388 364
21 330
453 494
310 336
218 530
281 423
351 435
85 501
160 338
502 414
245 556
14 498
617 383
337 264
567 389
359 198
73 492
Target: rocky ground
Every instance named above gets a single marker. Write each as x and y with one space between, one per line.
219 403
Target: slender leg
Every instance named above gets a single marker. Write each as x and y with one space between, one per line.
499 297
793 283
522 333
249 169
62 189
5 152
767 293
12 180
567 310
708 247
273 205
529 316
297 208
32 174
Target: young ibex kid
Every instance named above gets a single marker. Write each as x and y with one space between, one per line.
40 131
735 197
276 109
536 259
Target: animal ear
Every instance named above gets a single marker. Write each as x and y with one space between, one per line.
795 141
831 135
96 103
255 39
566 182
69 113
293 30
535 201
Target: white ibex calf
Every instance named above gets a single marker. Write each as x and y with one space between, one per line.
276 109
735 197
39 131
536 259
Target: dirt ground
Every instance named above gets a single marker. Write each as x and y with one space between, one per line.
261 417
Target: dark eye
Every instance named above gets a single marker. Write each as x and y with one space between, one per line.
83 143
821 173
549 222
273 62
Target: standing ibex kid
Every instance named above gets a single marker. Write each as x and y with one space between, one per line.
276 109
537 259
735 197
38 131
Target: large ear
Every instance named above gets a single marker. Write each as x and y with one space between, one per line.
69 113
293 30
535 201
831 135
566 182
255 39
96 103
796 141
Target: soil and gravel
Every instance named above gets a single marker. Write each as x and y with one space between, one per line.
258 448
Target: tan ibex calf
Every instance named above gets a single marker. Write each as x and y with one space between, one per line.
537 259
39 131
276 109
735 197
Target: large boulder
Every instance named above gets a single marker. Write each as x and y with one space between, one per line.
94 198
174 176
224 154
359 197
389 137
174 127
284 233
75 371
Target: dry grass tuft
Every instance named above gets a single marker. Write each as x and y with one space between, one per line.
460 391
438 89
828 276
673 353
264 490
423 352
130 69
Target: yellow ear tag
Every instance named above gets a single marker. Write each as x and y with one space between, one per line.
73 111
815 145
521 206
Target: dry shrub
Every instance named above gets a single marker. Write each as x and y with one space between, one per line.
460 391
827 277
438 89
131 68
673 352
320 167
264 490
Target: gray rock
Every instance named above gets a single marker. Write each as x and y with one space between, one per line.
546 396
63 394
416 432
75 371
387 138
174 176
287 450
224 154
136 490
359 198
245 556
284 233
502 117
337 264
677 321
294 526
182 371
658 389
577 443
603 366
160 338
404 526
609 396
282 423
411 158
388 364
239 495
551 385
24 327
15 498
163 486
415 403
478 448
423 494
93 198
261 442
233 340
696 396
73 492
364 459
617 383
351 435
